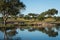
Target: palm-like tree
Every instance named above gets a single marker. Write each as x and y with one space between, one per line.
10 7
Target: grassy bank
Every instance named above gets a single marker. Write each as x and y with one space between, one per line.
25 22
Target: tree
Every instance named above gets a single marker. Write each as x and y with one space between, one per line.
51 12
10 7
21 15
26 17
48 13
32 15
41 16
57 18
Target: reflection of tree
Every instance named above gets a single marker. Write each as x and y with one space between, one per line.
31 29
58 28
22 28
9 34
50 32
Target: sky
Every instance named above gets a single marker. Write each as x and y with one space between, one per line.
39 6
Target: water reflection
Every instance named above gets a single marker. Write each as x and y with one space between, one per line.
11 33
49 31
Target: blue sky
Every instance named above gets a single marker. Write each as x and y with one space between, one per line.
38 6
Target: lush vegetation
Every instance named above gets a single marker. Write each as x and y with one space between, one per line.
11 9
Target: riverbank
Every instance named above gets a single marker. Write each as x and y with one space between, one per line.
29 23
12 22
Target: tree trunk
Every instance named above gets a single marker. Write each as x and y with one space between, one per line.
4 18
5 35
4 22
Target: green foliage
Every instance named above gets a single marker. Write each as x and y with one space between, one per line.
26 17
57 18
11 7
1 19
51 12
33 15
41 16
21 15
48 14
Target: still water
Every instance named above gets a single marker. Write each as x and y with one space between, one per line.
30 33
